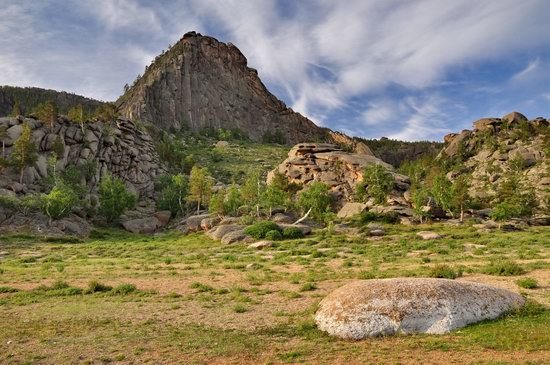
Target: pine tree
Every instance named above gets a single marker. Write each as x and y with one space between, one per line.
58 147
24 151
200 186
16 110
51 113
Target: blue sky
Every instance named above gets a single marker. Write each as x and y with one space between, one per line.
404 69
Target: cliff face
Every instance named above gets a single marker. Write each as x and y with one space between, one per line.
200 83
117 147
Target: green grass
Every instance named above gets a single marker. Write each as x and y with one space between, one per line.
173 298
527 283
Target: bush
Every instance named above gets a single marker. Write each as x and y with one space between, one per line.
97 287
259 230
367 217
292 233
113 198
9 202
308 287
503 268
445 272
377 183
172 193
8 289
317 198
59 202
124 289
527 283
273 235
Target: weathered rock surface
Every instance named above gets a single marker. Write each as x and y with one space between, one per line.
217 233
426 235
194 222
260 245
201 82
495 147
341 171
411 305
117 147
350 209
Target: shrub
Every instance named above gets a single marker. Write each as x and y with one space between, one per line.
445 272
292 233
503 268
124 289
317 198
308 287
8 289
9 202
273 235
259 230
239 308
527 283
173 190
113 198
377 183
97 287
59 201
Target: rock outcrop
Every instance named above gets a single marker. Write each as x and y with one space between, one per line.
497 146
341 171
202 82
117 147
412 305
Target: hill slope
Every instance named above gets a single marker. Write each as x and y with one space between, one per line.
30 97
203 83
500 149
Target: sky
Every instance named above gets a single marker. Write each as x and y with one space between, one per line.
402 69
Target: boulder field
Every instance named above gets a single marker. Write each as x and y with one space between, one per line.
381 307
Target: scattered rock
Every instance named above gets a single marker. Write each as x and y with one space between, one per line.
411 305
281 218
163 216
217 233
427 235
142 225
209 223
233 236
377 232
351 209
302 227
260 245
221 144
193 223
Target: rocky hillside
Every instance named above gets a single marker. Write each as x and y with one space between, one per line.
498 147
341 171
90 151
30 97
203 83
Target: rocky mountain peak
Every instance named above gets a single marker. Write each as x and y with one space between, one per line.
200 83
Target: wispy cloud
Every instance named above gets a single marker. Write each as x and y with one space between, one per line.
361 65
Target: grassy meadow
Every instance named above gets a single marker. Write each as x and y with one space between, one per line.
170 298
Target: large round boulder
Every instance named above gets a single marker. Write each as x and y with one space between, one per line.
410 305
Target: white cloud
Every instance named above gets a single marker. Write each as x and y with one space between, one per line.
326 56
